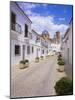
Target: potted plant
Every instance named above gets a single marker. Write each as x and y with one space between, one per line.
37 59
24 64
59 56
61 65
64 86
41 57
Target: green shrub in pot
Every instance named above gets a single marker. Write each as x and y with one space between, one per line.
59 59
61 62
37 59
26 61
41 57
61 65
59 56
24 64
64 86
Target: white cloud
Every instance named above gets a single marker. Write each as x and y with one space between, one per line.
41 23
27 6
62 19
30 13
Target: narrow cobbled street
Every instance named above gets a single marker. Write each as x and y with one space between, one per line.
36 80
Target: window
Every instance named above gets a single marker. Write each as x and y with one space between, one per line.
13 20
17 49
15 26
32 49
28 49
26 30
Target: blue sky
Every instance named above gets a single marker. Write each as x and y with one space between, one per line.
50 17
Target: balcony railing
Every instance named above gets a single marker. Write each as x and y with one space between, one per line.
16 27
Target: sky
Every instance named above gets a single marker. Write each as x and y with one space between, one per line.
50 17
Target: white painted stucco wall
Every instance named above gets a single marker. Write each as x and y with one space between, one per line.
67 51
55 47
17 38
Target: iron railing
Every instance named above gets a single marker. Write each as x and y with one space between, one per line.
16 27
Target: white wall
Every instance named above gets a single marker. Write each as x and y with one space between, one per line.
67 52
15 58
17 38
70 44
55 47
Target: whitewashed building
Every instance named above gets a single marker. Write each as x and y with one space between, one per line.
35 42
67 48
56 47
19 34
25 42
40 44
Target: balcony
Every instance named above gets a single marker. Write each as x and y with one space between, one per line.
16 27
15 31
